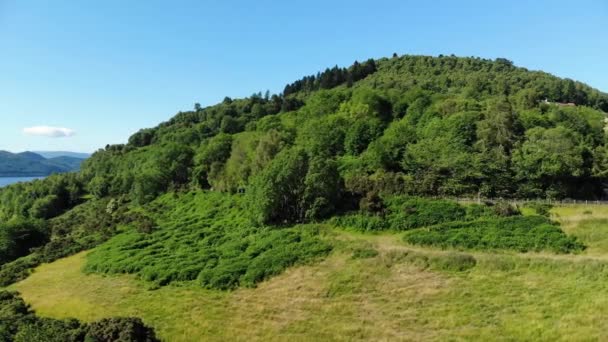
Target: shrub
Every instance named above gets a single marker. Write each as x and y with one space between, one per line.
19 269
475 211
403 213
372 203
413 212
542 209
18 237
361 222
505 209
520 233
18 323
51 330
120 329
206 237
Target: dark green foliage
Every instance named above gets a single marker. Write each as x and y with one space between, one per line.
294 187
519 233
13 313
206 237
45 198
83 227
475 211
413 125
408 213
18 323
143 137
361 134
210 156
403 213
332 77
18 237
361 222
19 269
120 329
372 203
51 330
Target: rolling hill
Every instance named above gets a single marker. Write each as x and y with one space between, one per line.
326 212
53 154
26 164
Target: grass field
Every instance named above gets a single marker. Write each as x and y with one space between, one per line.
399 293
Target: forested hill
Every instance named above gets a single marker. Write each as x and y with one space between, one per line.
26 164
441 126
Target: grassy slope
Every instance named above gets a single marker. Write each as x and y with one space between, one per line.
506 296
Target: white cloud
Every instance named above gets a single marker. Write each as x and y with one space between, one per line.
47 131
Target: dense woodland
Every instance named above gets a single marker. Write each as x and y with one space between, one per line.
417 125
366 145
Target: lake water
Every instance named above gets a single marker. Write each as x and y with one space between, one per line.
4 181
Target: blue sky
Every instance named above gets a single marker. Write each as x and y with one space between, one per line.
104 70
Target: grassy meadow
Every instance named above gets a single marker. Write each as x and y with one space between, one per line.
372 286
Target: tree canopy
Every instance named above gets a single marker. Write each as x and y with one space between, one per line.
412 124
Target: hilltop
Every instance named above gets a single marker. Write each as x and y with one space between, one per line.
226 198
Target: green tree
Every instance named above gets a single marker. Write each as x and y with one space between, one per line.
547 157
294 188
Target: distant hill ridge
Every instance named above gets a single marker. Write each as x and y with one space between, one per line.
54 154
29 164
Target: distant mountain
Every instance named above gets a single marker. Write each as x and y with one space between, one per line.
69 163
33 156
27 164
54 154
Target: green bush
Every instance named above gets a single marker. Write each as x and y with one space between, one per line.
51 330
361 222
519 233
120 329
83 227
206 237
18 237
505 209
476 211
542 209
414 212
19 269
403 213
20 324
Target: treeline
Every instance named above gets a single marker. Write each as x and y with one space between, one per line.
41 199
20 324
413 125
331 78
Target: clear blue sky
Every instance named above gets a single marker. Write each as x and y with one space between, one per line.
105 70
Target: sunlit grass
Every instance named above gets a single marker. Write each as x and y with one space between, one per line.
403 293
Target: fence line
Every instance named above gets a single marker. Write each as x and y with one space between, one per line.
564 202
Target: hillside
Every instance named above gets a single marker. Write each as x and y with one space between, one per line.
27 164
54 154
399 292
351 169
